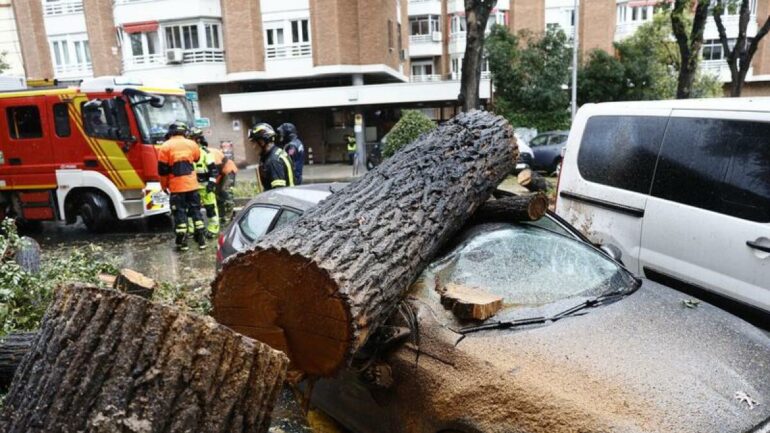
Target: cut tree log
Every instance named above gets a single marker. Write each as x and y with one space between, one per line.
470 303
534 182
512 208
13 347
318 287
134 283
110 362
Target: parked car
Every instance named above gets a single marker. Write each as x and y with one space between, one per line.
581 345
264 213
546 148
682 188
525 156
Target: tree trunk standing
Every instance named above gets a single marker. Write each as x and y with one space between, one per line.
739 57
110 362
476 17
13 347
689 46
319 287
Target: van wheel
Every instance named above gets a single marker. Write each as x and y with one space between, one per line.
96 212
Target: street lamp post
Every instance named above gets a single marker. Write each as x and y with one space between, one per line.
575 58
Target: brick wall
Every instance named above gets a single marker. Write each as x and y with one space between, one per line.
527 14
597 25
33 39
105 55
243 36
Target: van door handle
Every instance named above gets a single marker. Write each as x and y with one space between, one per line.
756 246
14 161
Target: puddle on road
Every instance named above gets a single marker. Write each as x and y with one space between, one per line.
133 245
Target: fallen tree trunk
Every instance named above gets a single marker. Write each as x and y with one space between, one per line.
13 347
134 283
533 181
319 286
512 208
110 362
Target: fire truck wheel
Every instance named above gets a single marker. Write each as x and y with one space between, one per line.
95 211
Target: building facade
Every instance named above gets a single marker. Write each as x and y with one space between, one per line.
9 40
332 67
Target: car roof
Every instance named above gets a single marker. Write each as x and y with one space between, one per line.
719 104
300 197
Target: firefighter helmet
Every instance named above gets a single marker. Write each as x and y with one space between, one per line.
178 128
262 131
196 132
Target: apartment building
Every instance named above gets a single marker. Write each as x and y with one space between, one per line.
9 40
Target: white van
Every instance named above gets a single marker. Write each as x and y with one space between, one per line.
681 188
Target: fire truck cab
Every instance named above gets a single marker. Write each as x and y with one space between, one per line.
87 151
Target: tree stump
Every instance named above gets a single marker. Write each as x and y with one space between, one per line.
134 283
111 362
512 208
13 347
318 287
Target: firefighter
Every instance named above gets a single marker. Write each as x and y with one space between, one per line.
275 169
207 172
176 167
352 147
225 183
292 145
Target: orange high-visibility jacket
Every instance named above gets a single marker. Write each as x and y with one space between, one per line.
225 164
176 161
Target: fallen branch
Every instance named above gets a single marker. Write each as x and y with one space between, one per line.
512 209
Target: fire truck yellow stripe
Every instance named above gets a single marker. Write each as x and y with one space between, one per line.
75 113
17 187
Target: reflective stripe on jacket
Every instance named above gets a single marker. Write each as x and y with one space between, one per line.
277 169
176 164
206 168
351 145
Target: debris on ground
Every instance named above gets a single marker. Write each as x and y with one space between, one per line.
132 282
532 180
690 303
742 397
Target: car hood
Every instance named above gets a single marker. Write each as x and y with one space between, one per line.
645 363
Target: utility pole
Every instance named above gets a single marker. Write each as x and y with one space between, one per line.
575 44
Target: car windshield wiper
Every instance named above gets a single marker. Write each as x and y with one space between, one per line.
590 303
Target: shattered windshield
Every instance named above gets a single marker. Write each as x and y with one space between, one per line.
153 122
529 266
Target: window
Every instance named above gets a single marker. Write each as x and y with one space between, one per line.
458 24
102 122
540 140
718 165
422 68
144 46
390 35
285 217
61 119
424 25
289 38
713 50
71 54
24 122
212 36
621 151
257 221
184 37
274 37
299 32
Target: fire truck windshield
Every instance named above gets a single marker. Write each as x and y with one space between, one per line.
153 121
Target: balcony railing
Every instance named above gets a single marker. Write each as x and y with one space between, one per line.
63 7
420 39
204 56
485 75
78 70
288 51
144 60
457 36
424 78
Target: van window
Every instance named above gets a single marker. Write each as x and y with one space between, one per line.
621 151
24 122
718 165
61 120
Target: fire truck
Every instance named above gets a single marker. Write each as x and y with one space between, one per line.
87 151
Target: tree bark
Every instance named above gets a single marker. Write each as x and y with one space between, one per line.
134 283
689 46
513 208
318 287
533 181
110 362
13 347
476 16
739 57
